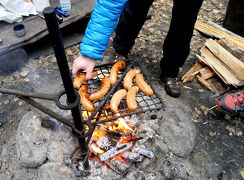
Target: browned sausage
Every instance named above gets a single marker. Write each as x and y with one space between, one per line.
115 70
117 97
128 78
131 98
80 78
85 100
102 90
144 87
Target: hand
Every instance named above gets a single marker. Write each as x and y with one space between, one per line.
84 63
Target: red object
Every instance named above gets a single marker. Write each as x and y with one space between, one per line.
232 102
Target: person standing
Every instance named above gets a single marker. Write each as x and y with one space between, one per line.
132 15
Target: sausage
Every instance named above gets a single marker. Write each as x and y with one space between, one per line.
117 97
102 90
114 71
80 78
128 78
131 98
85 100
144 87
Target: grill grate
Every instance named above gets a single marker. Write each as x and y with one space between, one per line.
102 112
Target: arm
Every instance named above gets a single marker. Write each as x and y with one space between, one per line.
100 27
102 24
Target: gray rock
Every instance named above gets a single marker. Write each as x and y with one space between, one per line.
31 141
55 171
57 151
178 131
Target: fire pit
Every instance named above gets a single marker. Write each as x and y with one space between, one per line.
105 137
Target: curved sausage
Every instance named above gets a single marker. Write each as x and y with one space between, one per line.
117 97
80 78
128 78
144 87
102 90
114 71
131 98
85 100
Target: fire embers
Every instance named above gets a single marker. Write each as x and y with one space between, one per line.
113 144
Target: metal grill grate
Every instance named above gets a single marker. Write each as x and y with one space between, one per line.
102 112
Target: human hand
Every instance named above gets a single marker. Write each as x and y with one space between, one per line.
84 63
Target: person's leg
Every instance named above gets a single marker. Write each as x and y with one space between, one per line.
176 46
129 25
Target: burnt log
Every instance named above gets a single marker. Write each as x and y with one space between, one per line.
234 18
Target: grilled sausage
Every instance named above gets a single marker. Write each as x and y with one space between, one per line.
80 78
117 97
128 78
131 98
85 100
102 90
114 71
144 87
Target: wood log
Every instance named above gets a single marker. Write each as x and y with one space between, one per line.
219 68
227 58
188 75
206 73
205 83
217 31
238 53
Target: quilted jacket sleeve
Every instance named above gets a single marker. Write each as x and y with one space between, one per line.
100 27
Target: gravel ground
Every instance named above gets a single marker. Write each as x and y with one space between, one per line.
219 143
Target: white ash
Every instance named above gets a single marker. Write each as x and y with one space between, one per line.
141 150
133 156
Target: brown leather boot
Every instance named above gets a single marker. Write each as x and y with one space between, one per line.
172 86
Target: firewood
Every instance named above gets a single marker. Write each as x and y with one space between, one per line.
227 58
188 76
219 68
206 73
232 49
217 31
205 83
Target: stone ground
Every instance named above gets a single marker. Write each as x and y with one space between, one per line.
192 142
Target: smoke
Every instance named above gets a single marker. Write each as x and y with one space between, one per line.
12 61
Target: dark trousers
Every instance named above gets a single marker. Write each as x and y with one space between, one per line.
176 46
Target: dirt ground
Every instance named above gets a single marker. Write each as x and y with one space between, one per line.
218 150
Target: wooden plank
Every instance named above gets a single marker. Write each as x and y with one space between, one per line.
36 27
227 58
219 68
188 75
219 32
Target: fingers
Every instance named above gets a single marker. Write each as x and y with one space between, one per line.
75 69
88 75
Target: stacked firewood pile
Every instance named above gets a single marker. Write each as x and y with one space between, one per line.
223 57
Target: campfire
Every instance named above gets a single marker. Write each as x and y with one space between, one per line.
113 144
102 126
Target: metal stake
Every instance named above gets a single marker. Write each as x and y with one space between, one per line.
55 35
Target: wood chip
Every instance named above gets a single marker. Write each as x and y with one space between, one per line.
24 73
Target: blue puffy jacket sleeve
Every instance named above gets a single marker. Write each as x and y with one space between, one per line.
100 27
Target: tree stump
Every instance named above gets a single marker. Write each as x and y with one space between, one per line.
234 18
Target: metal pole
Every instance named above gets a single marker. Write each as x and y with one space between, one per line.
55 35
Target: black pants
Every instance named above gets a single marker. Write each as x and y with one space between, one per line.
176 46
